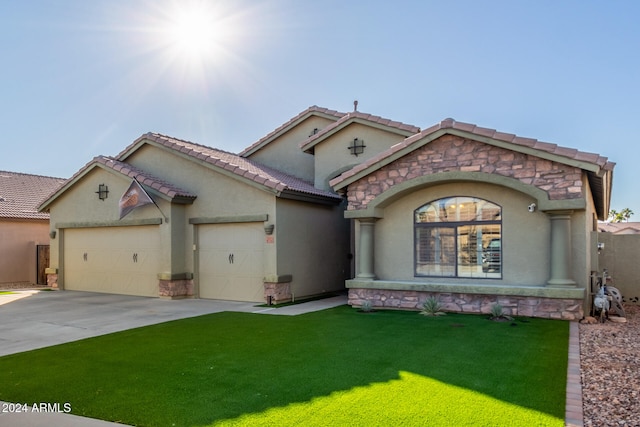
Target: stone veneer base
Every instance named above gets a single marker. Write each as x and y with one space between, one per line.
176 289
52 280
513 305
279 292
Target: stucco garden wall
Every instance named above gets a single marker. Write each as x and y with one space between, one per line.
18 240
620 258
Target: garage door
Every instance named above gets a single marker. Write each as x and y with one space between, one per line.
230 261
118 260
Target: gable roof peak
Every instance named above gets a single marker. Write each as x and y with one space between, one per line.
289 124
358 117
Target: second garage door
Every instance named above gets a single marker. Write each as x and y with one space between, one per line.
118 260
231 261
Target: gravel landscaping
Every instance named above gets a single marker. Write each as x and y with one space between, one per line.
610 371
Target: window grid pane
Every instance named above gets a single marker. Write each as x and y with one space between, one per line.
469 246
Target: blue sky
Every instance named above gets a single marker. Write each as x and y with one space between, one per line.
84 78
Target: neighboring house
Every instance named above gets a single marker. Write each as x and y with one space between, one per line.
24 232
467 214
619 227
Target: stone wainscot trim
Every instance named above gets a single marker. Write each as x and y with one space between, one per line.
542 302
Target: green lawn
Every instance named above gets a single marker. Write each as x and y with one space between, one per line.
334 367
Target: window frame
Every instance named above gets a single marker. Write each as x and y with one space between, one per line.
456 225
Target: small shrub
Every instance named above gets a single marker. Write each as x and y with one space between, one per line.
432 307
366 306
497 313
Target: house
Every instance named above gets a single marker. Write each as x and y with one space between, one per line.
620 228
396 214
477 217
223 226
24 232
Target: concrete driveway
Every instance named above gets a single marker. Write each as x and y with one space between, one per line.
32 319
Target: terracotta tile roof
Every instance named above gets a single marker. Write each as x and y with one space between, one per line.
402 128
20 194
474 130
145 178
240 166
619 227
313 110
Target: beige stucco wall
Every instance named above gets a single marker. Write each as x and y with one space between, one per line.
525 235
313 246
333 157
284 153
621 258
81 208
18 240
219 196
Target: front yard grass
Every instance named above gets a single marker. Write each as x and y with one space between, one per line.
333 367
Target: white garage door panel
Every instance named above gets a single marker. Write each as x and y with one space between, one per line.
230 261
120 260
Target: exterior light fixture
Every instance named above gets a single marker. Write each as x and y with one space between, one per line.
356 147
103 191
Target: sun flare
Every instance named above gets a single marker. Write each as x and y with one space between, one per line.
196 31
193 32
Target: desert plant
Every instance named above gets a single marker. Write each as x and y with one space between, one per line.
366 306
432 307
497 313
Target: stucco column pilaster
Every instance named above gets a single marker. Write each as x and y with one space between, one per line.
366 248
560 249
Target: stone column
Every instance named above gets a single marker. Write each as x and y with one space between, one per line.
366 248
561 249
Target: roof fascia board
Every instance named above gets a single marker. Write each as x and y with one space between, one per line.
208 165
124 155
249 151
68 184
304 197
307 148
90 168
487 140
526 150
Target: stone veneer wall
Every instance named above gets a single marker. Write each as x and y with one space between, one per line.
547 308
453 153
279 292
52 280
175 289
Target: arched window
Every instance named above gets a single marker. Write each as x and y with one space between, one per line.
458 237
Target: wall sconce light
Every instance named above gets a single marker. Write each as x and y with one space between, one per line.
600 247
103 191
268 229
356 147
52 234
